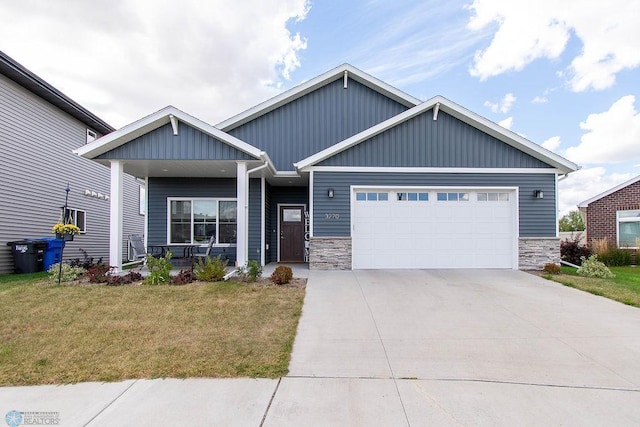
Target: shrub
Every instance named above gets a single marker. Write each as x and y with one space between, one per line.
183 278
282 275
591 267
86 262
615 257
571 250
600 246
210 269
68 273
159 269
130 277
552 268
251 271
98 273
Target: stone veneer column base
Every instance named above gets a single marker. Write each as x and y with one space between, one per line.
330 253
535 252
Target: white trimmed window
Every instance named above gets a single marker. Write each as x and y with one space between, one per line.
142 200
77 218
193 221
628 228
453 197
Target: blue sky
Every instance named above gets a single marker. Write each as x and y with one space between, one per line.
562 73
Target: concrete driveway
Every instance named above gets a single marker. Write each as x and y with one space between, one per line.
459 347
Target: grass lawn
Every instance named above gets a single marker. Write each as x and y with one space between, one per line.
67 334
625 288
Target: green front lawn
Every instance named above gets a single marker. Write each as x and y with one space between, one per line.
625 288
64 334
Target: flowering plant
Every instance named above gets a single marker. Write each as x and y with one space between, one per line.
61 228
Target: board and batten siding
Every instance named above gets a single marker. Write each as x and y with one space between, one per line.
189 144
316 121
255 219
159 189
36 143
424 142
537 216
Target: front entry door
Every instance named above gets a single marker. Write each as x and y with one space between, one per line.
292 233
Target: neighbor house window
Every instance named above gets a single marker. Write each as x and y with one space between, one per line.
77 218
628 228
194 221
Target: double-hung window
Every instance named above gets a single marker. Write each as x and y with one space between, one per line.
194 221
75 217
628 228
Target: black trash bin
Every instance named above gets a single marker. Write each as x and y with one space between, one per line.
28 255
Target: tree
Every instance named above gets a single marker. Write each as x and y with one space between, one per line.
572 222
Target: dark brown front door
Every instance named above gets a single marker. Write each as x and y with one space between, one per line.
292 233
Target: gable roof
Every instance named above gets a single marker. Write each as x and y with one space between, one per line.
609 191
156 120
461 113
25 78
316 83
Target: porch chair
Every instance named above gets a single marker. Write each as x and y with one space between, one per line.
205 255
139 251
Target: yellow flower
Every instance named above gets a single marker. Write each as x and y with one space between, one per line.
61 228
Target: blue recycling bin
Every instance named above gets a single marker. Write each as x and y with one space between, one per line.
53 252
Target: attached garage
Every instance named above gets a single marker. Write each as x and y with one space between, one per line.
434 227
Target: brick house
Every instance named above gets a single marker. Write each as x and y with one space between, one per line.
614 215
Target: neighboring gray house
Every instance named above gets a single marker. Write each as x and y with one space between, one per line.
39 129
343 171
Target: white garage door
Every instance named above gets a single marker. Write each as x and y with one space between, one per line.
434 228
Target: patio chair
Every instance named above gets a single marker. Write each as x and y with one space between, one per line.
139 251
207 253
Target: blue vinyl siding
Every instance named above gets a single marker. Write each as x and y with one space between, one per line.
161 188
255 219
424 142
316 121
537 216
189 144
281 195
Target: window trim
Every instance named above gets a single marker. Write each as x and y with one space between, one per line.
72 213
625 219
192 199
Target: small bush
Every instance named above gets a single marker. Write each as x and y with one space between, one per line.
615 257
183 278
130 277
98 273
591 267
552 268
159 269
68 274
251 271
600 246
86 262
210 269
571 250
282 275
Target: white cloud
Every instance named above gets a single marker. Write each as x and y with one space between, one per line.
123 60
504 105
612 136
585 184
527 31
506 123
552 143
540 100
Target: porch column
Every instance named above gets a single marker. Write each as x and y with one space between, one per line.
243 217
115 217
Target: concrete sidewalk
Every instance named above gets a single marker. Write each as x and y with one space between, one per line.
403 348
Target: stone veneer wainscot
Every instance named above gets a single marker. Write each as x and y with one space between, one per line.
535 252
330 253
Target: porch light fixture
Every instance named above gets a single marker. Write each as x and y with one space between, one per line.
538 194
330 193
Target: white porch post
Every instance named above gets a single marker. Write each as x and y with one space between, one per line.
243 217
115 217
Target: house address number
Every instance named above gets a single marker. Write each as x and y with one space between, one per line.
332 216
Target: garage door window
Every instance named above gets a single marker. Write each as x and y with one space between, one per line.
371 196
493 197
422 197
453 197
